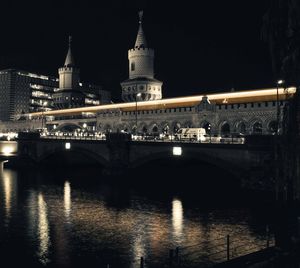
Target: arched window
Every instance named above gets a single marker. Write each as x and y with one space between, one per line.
134 130
241 128
207 127
132 67
257 128
144 130
155 129
273 127
225 129
176 127
165 129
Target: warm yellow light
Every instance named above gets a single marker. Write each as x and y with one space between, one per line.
43 230
177 218
67 199
8 148
180 100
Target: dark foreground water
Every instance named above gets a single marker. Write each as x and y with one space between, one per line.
78 218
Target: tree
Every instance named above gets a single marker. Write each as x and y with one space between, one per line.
281 30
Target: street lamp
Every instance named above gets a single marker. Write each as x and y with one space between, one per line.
279 82
137 95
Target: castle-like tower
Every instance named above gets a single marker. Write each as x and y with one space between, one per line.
69 94
69 74
141 84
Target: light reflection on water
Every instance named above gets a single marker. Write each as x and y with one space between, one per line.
177 220
66 224
43 230
67 200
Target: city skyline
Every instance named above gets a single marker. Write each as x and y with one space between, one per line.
209 49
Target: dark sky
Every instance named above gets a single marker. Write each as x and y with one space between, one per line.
200 46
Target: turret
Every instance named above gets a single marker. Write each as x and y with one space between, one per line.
141 71
69 74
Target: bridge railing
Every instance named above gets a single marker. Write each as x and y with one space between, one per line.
147 138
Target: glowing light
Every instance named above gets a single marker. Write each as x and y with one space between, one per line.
68 145
84 125
8 148
280 82
43 230
177 218
67 199
177 151
173 101
8 191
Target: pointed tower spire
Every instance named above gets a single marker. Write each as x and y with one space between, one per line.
140 39
69 62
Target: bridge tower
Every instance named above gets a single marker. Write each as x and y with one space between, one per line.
141 84
68 94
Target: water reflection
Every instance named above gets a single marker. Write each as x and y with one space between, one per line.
106 232
177 220
67 200
9 189
43 230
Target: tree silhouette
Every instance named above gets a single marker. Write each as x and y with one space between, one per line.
281 30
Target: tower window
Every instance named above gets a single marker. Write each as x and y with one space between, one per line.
132 66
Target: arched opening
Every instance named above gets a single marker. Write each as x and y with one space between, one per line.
165 129
107 129
257 128
68 128
134 130
73 158
144 130
176 127
241 128
273 127
207 126
225 129
155 129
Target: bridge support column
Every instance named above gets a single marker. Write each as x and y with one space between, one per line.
118 145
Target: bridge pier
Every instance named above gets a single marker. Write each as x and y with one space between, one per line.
118 148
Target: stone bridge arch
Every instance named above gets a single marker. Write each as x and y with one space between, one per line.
88 154
67 127
231 168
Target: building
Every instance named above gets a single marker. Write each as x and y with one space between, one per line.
23 92
73 93
244 112
141 85
248 112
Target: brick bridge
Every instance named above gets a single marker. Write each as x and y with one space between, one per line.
250 162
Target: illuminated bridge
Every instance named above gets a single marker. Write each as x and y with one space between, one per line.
247 112
119 153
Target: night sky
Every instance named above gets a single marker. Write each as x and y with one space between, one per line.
200 46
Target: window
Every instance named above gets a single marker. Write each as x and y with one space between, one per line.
132 66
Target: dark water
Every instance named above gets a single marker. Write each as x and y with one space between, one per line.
78 218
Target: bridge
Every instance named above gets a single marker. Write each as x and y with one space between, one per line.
118 153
